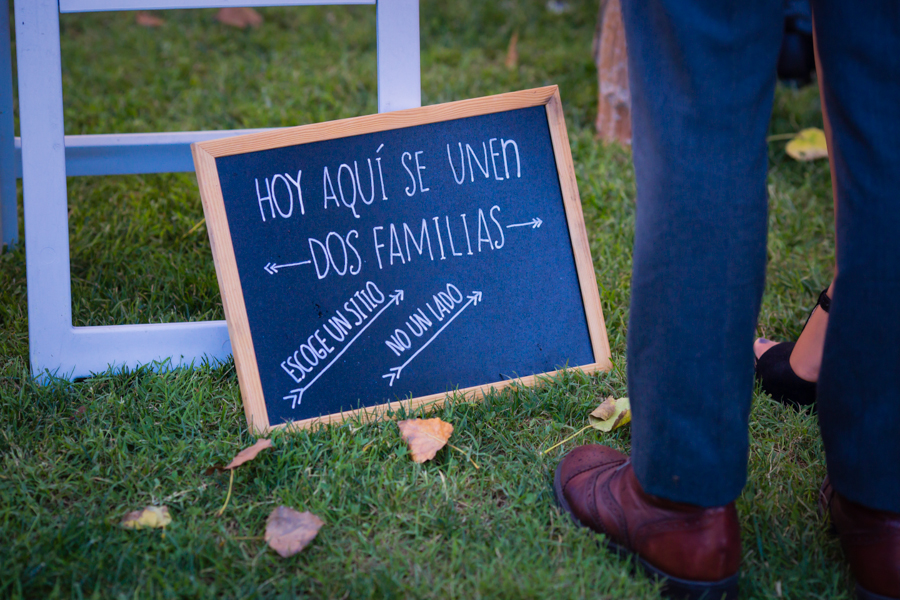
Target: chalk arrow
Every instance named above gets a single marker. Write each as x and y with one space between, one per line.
396 298
271 268
474 298
394 374
294 396
534 224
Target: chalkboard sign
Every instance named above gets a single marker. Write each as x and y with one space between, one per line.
398 257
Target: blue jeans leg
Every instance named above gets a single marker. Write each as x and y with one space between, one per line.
702 75
859 383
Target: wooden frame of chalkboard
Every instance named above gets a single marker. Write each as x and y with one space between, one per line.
256 209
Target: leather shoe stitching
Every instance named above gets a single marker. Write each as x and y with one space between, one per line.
669 525
600 469
591 500
615 512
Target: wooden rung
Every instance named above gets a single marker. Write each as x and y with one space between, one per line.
89 350
132 153
74 6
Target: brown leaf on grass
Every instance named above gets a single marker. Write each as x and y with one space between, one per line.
606 409
152 516
425 437
288 531
604 420
145 19
245 455
240 17
512 52
248 454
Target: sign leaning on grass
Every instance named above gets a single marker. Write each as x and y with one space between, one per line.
398 257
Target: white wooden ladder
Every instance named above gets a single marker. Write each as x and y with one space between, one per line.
48 156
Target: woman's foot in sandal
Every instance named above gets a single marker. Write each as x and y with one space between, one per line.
788 371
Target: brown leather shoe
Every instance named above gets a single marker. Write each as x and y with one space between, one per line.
694 551
871 542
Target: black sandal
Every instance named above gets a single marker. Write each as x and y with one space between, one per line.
777 378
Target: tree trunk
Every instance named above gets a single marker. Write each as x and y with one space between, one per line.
611 58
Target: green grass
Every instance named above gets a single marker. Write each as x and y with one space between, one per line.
75 457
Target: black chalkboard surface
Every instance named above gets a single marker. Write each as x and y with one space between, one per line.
399 257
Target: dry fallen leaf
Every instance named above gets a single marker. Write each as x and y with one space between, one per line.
239 17
512 52
152 516
245 455
606 409
604 420
809 144
145 19
425 437
288 531
248 454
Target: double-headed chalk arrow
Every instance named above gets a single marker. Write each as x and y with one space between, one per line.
296 395
271 268
474 299
534 224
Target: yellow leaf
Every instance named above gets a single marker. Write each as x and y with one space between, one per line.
289 531
809 144
152 516
425 437
602 420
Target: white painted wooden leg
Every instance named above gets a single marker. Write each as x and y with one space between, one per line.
399 70
43 181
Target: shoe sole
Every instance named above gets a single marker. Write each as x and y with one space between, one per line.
673 587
